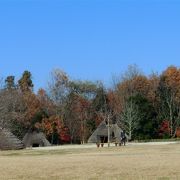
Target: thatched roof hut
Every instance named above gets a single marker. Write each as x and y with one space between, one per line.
35 139
100 135
8 141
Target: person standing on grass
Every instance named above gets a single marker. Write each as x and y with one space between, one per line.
123 138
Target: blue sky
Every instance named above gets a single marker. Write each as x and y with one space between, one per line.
89 39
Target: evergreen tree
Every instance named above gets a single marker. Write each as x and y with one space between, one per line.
25 83
9 82
147 126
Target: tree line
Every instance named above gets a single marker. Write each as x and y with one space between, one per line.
68 111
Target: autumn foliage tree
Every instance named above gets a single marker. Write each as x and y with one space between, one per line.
164 130
169 93
55 130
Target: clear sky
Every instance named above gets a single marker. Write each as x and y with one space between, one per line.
89 39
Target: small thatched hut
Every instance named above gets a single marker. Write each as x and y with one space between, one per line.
35 139
100 135
8 141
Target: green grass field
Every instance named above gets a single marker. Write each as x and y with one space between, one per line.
130 162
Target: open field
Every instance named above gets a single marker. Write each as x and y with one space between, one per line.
144 161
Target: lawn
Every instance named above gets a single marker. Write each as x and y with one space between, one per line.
130 162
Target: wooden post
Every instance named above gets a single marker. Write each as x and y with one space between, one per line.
108 132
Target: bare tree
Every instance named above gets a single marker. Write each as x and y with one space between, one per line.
169 109
58 86
130 118
1 83
70 118
124 85
11 109
169 94
131 72
58 91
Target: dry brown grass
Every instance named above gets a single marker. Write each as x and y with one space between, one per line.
131 162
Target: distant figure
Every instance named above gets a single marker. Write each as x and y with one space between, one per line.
123 138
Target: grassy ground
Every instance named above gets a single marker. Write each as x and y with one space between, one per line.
160 162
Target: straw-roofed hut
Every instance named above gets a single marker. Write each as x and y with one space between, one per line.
8 141
35 139
100 135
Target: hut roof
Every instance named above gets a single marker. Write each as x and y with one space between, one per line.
35 138
8 141
102 129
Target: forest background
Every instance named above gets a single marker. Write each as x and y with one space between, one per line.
69 110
